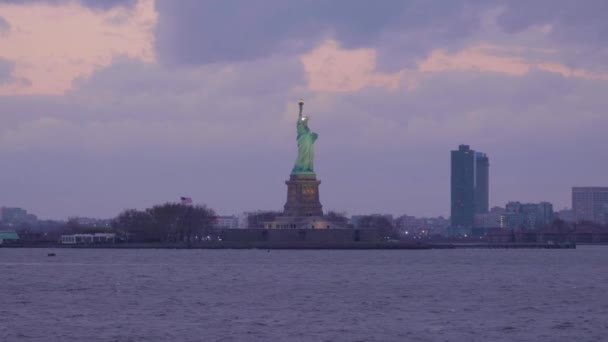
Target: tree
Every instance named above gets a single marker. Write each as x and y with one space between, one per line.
256 220
166 218
137 225
338 218
197 223
169 222
381 223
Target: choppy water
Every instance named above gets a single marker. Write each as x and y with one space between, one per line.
253 295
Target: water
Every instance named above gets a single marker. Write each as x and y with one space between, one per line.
255 295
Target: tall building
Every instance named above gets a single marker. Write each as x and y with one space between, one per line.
470 177
482 183
590 204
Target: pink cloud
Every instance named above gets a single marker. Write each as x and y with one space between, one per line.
329 68
568 72
489 58
52 45
475 58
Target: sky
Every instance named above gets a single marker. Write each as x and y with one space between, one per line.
114 104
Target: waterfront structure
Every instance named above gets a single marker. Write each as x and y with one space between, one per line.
590 204
8 237
88 238
470 189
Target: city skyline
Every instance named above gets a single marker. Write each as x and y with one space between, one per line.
125 104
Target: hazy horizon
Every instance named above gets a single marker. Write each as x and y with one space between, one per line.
129 103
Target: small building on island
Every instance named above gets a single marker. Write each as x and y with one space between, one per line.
8 237
97 238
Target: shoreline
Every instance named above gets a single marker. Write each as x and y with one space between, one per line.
302 245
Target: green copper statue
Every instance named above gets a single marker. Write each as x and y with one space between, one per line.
306 140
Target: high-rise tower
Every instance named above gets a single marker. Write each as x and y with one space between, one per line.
470 176
482 183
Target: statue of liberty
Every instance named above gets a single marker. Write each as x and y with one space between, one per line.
306 140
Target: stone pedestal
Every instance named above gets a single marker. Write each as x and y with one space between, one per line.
303 196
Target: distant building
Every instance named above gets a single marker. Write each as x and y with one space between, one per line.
243 220
15 216
91 222
96 238
494 218
482 183
528 215
566 215
7 237
590 204
469 182
227 222
409 225
303 222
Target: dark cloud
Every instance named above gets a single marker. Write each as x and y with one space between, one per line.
579 29
4 26
6 74
94 4
199 32
6 71
581 22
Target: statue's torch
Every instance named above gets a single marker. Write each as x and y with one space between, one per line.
301 103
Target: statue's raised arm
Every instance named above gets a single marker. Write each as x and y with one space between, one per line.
301 103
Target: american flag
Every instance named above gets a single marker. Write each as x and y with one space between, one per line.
186 200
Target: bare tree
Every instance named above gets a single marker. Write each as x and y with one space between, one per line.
380 223
137 226
336 217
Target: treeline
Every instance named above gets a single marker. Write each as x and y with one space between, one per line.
381 223
169 222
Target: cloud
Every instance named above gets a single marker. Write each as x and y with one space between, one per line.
506 60
473 59
55 44
568 72
203 103
151 133
8 80
569 21
6 70
93 4
4 26
330 68
214 122
579 27
199 32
